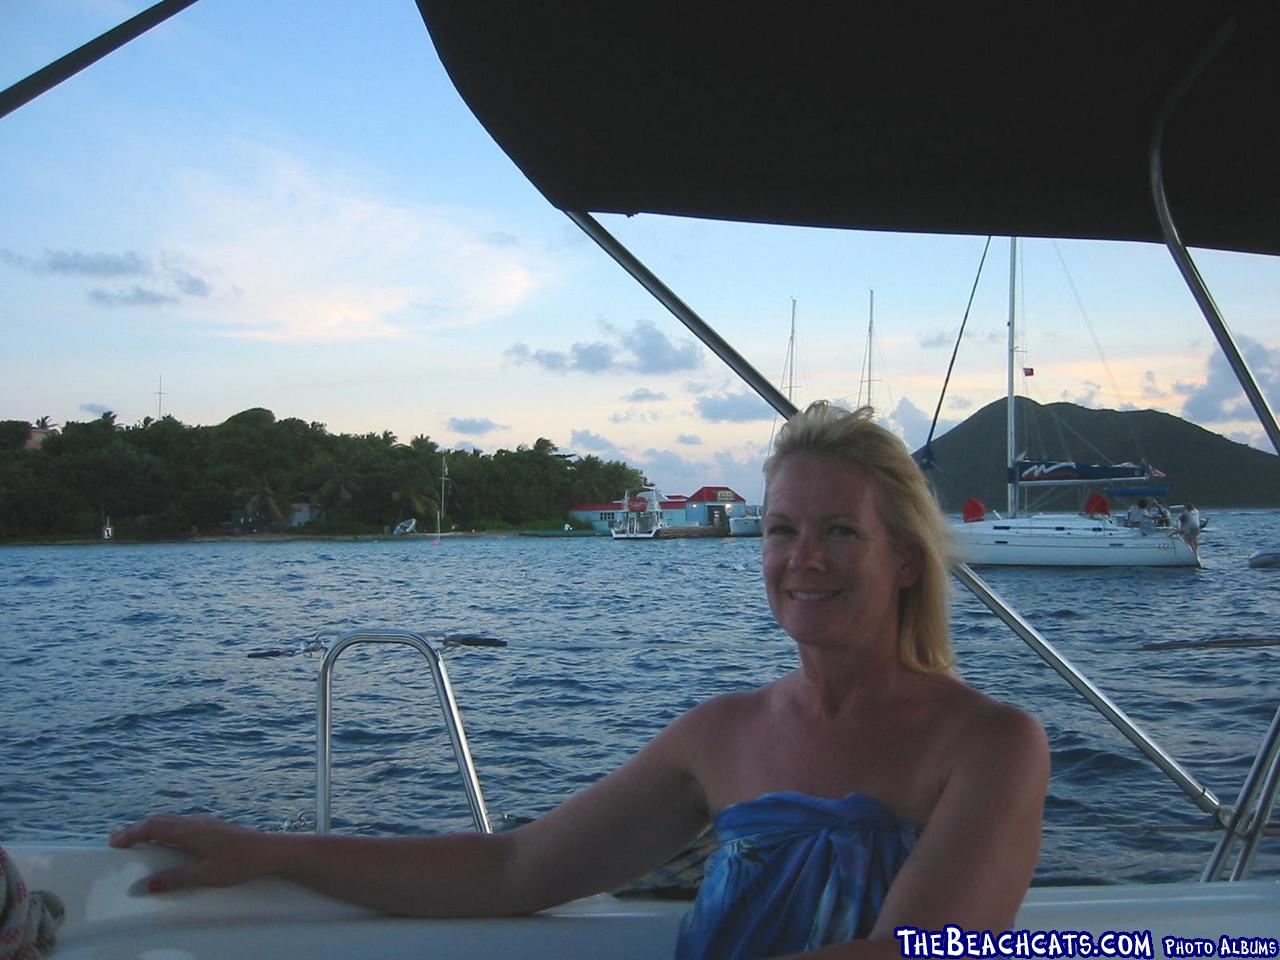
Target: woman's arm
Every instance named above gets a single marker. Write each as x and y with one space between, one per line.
634 819
977 854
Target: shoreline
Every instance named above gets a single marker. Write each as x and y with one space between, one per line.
259 538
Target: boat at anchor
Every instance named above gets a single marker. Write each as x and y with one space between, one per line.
1090 538
642 519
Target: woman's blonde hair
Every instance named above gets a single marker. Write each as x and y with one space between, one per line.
907 506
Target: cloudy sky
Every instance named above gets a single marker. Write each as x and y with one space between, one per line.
287 205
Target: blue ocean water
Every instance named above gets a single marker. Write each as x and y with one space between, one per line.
126 685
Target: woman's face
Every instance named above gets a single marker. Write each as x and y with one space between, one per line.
831 572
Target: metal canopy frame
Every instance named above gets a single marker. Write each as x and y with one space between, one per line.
45 79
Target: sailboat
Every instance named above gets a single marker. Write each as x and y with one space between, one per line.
748 525
1091 538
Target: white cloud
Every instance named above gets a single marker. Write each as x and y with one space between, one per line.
733 408
315 257
477 426
644 395
135 296
912 424
642 349
1220 398
594 443
1085 396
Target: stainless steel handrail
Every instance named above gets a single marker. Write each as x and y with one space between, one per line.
1264 776
1200 795
448 704
1261 820
1256 783
1178 250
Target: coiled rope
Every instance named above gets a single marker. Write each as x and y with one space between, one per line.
28 921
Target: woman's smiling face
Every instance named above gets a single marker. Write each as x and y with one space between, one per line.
831 571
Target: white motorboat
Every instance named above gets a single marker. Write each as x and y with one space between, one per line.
642 519
912 132
1266 557
745 526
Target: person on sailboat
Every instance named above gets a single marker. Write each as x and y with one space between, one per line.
869 789
1133 516
1189 526
1158 513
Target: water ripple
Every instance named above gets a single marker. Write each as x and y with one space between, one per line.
132 697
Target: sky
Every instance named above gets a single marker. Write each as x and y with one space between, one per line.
287 205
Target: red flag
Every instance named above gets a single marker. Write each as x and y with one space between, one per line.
1028 371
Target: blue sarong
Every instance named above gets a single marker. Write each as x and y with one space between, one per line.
794 873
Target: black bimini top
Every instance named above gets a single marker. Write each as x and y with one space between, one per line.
1021 117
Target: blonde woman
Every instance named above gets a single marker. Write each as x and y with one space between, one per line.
867 789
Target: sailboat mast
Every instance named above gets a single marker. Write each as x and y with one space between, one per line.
871 329
444 478
791 354
1010 438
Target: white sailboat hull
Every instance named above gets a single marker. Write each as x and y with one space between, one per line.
1069 540
272 919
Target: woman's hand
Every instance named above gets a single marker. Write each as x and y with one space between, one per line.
224 853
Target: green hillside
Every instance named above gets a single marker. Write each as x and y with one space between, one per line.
1201 466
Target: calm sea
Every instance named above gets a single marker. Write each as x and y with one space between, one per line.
127 686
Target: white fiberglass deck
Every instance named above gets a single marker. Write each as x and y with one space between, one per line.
108 918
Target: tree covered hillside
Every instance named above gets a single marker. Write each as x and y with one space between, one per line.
162 478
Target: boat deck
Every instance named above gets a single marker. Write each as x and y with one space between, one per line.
109 917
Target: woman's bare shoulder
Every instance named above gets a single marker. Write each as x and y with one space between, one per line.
713 735
986 734
726 710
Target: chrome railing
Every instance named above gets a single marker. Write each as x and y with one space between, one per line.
448 704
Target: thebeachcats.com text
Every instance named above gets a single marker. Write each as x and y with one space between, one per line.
953 942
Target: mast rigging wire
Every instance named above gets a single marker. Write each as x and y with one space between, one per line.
928 443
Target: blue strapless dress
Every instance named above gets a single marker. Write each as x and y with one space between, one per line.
794 872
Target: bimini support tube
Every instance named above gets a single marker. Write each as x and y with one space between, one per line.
46 78
1261 823
1199 794
448 704
1264 776
1178 250
1257 782
697 326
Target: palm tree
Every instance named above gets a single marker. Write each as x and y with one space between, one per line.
261 497
411 488
339 487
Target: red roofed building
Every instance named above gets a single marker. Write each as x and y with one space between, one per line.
708 507
712 506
